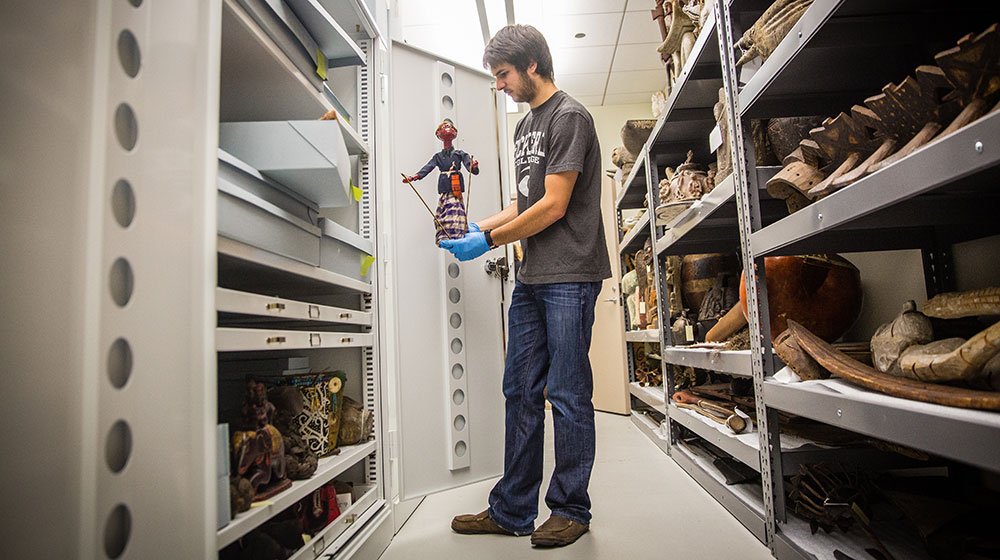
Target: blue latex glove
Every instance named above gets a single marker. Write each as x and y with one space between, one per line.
468 247
473 226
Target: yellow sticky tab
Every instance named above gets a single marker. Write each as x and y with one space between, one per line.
320 64
366 263
262 503
358 193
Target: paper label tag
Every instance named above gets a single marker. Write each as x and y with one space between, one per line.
366 263
642 307
689 332
320 64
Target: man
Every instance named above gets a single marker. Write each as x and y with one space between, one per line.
558 217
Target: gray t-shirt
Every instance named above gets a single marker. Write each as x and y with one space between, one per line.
554 137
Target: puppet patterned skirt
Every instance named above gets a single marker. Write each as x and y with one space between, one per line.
451 214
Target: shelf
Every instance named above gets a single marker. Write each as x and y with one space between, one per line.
733 362
357 526
711 224
697 230
649 428
947 185
230 339
841 52
737 447
653 396
354 17
744 501
636 237
328 469
633 193
798 542
930 427
648 335
339 527
258 82
337 46
248 268
688 119
280 309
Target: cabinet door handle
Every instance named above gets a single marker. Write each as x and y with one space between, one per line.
315 339
275 339
273 306
314 312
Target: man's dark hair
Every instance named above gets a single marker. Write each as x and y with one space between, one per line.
519 46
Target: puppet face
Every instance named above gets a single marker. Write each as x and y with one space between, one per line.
446 131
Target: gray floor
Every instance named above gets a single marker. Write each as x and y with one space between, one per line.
644 506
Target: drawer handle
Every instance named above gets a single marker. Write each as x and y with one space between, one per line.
275 339
346 340
273 306
351 519
314 312
315 339
345 315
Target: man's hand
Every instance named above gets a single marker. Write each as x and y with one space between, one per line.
410 178
475 166
467 248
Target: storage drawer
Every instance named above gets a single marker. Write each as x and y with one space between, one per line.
332 536
233 301
343 251
239 340
249 219
308 157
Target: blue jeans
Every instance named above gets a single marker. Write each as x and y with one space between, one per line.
550 327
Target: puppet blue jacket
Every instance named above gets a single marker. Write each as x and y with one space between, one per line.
444 161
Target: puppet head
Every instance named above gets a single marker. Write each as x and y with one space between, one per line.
446 132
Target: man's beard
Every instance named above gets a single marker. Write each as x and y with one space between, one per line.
527 91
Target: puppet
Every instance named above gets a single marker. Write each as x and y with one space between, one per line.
450 219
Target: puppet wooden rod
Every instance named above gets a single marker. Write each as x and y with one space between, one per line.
407 181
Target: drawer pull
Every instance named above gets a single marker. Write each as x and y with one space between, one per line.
275 339
273 306
315 339
314 312
346 340
351 519
345 315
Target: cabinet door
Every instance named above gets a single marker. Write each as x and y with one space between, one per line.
447 326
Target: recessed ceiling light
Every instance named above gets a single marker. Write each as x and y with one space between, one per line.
580 35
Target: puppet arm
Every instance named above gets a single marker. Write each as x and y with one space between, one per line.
423 171
470 163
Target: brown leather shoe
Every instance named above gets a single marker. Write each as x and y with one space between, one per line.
477 524
558 531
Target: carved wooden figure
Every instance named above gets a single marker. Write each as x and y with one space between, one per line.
767 32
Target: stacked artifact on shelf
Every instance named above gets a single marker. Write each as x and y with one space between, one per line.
258 452
680 23
932 104
764 36
681 188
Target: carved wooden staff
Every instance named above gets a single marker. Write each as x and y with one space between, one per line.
407 181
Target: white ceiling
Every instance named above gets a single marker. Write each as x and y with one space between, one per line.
615 63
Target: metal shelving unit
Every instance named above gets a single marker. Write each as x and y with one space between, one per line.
653 396
839 53
841 404
732 362
648 335
274 57
648 427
